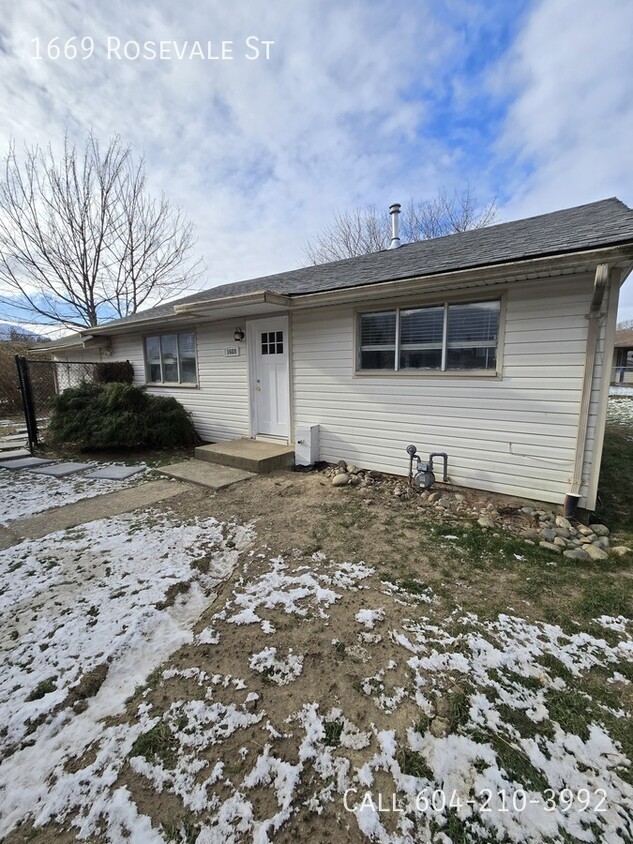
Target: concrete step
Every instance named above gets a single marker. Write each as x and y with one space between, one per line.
212 475
250 455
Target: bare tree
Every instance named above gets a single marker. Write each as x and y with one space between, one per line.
626 325
82 242
364 229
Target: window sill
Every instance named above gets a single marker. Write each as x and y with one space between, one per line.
169 386
428 373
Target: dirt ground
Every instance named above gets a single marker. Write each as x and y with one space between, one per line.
417 572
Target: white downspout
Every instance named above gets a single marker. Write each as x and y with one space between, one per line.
600 283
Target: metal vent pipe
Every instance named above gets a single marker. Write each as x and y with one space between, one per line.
394 211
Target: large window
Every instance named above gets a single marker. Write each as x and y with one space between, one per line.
171 359
442 337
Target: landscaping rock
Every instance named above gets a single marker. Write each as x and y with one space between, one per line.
602 542
353 470
596 553
433 497
549 546
621 550
354 480
576 554
558 540
530 534
548 534
443 707
440 727
397 490
562 522
485 522
342 479
600 530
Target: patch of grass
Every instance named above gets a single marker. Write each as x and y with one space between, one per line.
339 647
516 764
202 564
183 830
172 593
413 586
458 708
90 683
615 487
556 668
413 764
422 724
333 730
613 598
571 709
532 683
155 743
43 688
526 727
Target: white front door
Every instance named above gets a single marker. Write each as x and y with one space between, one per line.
270 397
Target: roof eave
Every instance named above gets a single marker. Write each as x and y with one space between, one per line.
247 304
506 272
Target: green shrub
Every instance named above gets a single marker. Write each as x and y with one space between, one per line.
114 370
119 415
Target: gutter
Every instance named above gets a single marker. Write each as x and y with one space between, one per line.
601 281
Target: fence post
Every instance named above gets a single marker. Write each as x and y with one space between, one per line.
26 389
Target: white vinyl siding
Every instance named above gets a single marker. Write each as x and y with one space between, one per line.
219 401
516 435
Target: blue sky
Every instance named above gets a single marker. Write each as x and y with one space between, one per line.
361 102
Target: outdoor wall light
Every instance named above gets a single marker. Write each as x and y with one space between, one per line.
238 335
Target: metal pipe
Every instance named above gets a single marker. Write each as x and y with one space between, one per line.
411 451
444 457
394 211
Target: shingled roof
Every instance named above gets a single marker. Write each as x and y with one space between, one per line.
598 224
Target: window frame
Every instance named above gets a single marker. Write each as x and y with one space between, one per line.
413 304
180 384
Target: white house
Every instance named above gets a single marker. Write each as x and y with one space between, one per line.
492 345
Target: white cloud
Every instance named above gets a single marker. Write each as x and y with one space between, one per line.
258 153
568 128
572 114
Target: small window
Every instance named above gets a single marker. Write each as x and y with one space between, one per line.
272 342
441 338
171 359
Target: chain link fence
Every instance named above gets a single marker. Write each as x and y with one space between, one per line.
29 386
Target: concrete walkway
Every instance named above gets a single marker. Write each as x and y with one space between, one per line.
99 507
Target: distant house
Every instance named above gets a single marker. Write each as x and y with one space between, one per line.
493 345
623 357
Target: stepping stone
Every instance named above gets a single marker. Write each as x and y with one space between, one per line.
116 473
10 438
60 470
14 453
24 463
